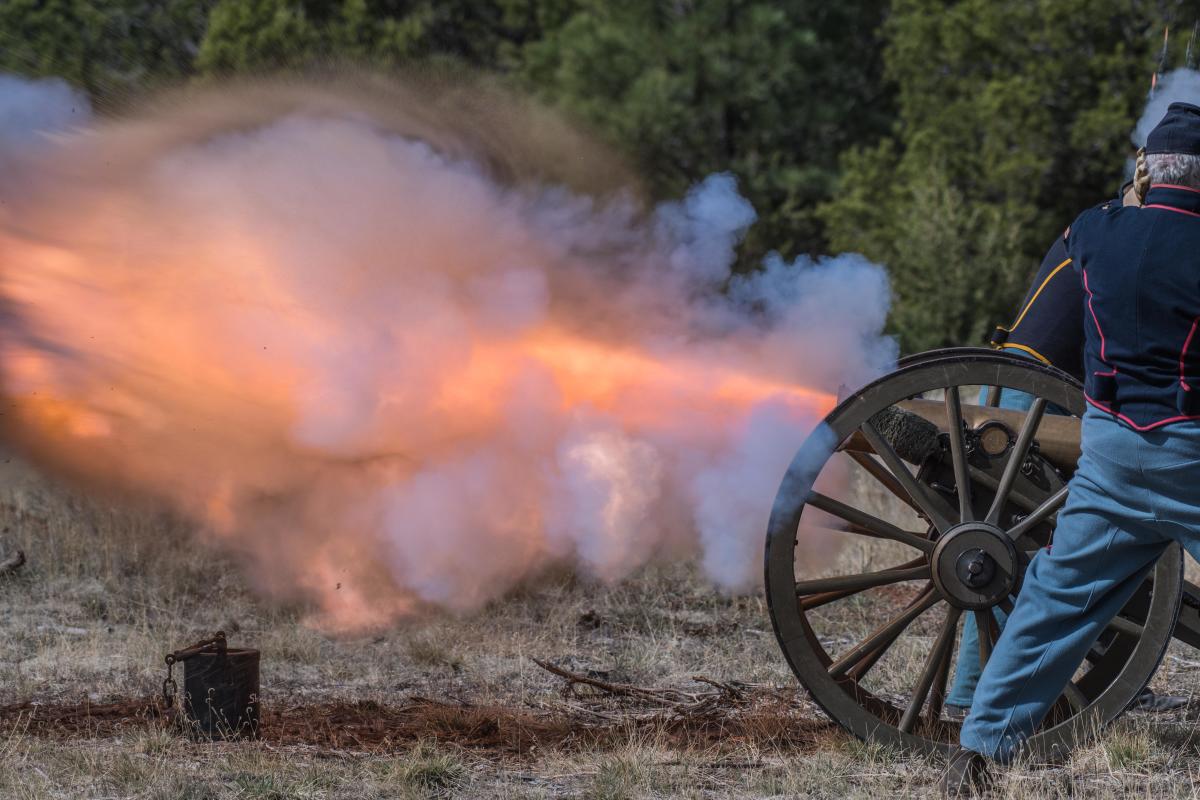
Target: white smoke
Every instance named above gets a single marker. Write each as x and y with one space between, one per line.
30 110
392 379
1178 86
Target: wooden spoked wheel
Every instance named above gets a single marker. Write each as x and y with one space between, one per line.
972 491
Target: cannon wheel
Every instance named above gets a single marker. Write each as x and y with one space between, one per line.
927 591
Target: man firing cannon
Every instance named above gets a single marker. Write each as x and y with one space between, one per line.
1047 328
1133 493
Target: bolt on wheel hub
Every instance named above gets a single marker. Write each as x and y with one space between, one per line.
975 566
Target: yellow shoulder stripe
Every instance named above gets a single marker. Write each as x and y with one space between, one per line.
1029 305
1025 349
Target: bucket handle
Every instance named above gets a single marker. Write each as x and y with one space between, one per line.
216 644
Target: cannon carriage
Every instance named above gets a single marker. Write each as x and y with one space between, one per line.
973 489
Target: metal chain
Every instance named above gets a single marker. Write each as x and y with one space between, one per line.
169 687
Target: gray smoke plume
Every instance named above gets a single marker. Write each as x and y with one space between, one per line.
403 347
31 113
31 110
1181 85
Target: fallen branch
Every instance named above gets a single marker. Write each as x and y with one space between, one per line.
722 697
659 696
728 689
12 563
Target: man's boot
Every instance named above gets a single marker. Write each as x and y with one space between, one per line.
968 774
1158 703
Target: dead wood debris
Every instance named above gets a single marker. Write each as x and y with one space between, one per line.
12 563
722 695
725 715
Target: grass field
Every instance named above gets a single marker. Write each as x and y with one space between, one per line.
447 706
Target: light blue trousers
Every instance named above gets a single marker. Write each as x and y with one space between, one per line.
1132 495
966 669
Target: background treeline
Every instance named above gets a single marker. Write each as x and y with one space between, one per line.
947 139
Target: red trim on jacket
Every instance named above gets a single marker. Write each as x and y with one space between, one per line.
1183 354
1099 330
1134 425
1161 207
1174 186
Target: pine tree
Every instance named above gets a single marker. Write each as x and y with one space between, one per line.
263 35
1013 118
111 48
769 91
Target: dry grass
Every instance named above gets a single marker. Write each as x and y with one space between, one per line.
449 707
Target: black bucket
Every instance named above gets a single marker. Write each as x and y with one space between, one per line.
220 690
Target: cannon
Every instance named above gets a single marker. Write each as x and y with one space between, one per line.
972 491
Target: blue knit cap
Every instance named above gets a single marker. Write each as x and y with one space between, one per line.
1178 132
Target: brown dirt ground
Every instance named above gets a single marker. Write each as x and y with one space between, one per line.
768 724
107 591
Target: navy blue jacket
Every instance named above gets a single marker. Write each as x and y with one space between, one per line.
1141 278
1049 326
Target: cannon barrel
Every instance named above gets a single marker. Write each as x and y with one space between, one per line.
1057 436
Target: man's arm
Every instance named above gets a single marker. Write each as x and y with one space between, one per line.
1049 324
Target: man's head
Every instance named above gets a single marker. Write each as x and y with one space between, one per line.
1173 147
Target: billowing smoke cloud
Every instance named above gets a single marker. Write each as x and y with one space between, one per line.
1178 86
31 111
399 354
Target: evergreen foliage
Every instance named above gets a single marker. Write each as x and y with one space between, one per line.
111 48
258 35
771 92
1013 118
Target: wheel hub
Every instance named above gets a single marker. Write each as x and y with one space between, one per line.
975 565
975 568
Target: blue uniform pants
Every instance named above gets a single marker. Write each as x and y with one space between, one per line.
1132 495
